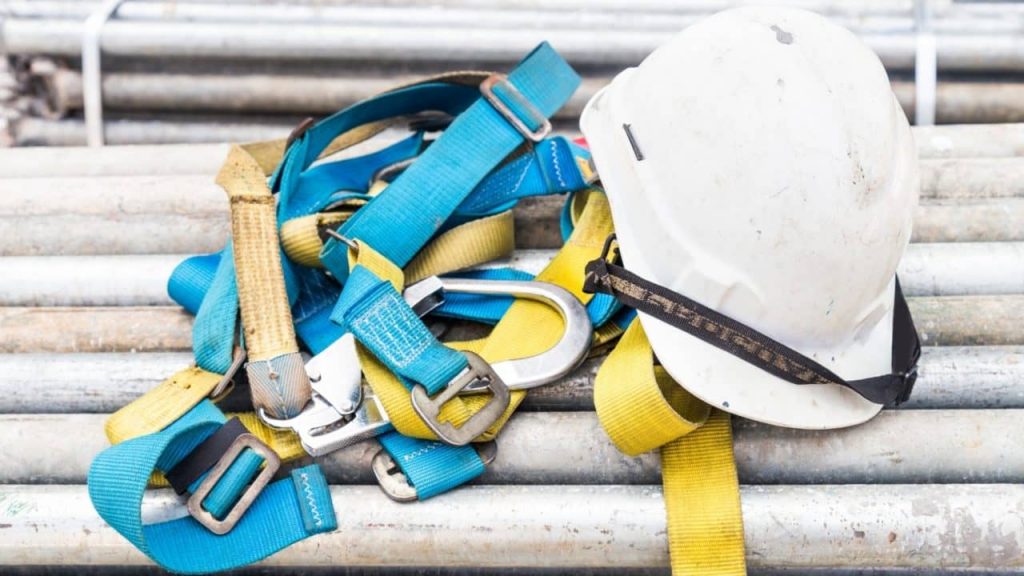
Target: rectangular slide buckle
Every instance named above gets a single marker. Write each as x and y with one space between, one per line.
195 502
535 115
429 408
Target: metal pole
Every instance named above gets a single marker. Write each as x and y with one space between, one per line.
905 446
92 90
153 9
939 269
612 46
925 66
955 101
983 141
176 222
937 527
28 131
977 141
951 377
941 321
977 221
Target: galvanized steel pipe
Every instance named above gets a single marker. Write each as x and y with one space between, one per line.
941 321
614 46
956 101
962 141
188 214
31 131
798 527
950 377
902 446
939 269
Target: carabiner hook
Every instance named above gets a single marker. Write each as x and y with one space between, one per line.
521 373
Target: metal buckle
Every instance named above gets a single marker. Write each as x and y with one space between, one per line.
487 89
521 373
222 387
340 412
299 131
395 484
478 371
195 502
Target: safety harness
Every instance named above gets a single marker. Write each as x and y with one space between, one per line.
337 256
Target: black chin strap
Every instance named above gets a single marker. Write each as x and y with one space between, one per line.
742 341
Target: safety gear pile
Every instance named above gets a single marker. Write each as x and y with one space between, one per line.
762 178
334 258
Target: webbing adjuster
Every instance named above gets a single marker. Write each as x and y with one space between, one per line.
271 464
394 483
483 378
508 90
299 131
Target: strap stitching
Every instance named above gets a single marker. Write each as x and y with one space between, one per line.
311 500
383 342
558 168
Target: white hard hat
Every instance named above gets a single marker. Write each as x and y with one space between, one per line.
760 165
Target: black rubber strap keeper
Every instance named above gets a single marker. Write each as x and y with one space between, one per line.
607 276
205 456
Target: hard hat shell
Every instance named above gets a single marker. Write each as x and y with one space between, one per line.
760 164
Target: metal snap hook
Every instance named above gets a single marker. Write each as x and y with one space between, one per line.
340 411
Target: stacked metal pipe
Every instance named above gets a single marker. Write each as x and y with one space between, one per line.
189 71
88 237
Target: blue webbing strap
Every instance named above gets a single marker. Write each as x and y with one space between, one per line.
316 187
438 96
375 313
432 467
473 145
292 509
436 185
285 512
213 333
541 171
402 219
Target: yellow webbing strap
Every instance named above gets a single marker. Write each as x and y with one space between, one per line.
176 395
641 408
528 328
156 409
300 237
463 246
262 299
